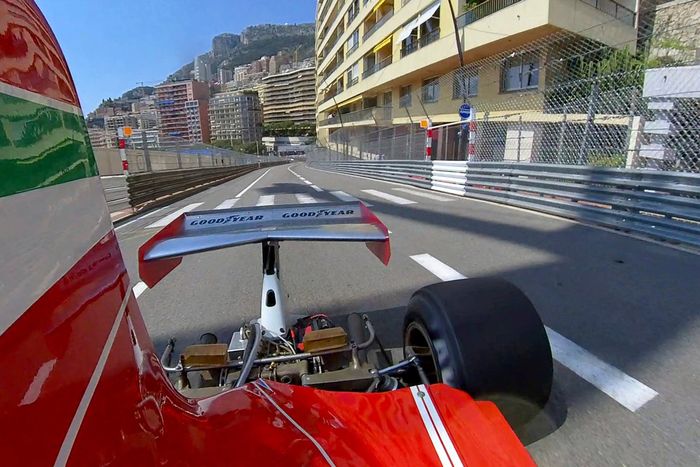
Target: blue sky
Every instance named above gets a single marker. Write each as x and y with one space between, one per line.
111 45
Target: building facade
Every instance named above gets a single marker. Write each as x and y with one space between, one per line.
290 96
235 116
391 63
202 68
183 115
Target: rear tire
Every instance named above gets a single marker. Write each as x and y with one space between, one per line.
482 336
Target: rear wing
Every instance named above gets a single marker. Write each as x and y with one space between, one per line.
197 232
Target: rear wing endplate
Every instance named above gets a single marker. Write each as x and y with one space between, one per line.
201 231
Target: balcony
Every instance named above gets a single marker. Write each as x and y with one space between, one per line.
613 9
429 38
372 113
483 10
377 25
376 67
408 49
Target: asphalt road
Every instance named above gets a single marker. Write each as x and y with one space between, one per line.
622 313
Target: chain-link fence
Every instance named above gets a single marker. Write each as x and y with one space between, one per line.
181 154
565 98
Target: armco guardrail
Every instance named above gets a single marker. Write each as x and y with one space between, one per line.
169 186
116 192
662 205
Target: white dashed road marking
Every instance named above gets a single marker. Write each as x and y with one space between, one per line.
251 185
627 391
171 217
305 199
388 197
266 200
316 188
341 195
307 182
228 203
424 194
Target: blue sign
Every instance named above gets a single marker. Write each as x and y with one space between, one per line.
465 111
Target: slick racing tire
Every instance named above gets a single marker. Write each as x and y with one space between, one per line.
482 336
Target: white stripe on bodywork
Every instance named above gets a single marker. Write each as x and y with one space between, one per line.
45 245
440 427
430 428
39 99
74 427
296 425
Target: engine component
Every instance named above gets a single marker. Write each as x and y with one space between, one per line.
204 354
356 331
325 339
308 324
288 373
236 346
347 379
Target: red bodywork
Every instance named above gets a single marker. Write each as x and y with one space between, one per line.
82 384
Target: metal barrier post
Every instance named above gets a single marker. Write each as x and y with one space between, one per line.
122 150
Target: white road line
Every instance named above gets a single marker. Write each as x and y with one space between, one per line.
388 197
266 200
251 185
437 267
307 182
341 195
171 217
423 194
305 199
139 218
316 188
627 391
139 289
228 203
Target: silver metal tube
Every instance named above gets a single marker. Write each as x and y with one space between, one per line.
249 359
370 339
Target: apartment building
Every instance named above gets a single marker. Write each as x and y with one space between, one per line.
290 96
202 68
183 112
235 116
380 62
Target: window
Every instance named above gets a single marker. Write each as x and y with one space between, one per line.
405 96
353 74
521 72
465 84
353 41
431 89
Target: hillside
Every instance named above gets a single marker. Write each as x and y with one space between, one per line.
256 41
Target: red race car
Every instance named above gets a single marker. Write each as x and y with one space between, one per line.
82 383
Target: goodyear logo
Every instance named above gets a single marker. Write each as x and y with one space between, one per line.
319 213
227 220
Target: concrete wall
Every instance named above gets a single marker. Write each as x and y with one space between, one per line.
109 163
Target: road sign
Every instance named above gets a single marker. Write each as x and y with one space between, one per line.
127 131
465 111
425 123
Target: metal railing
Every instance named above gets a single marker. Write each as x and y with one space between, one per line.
660 205
376 67
378 25
429 38
483 10
613 9
408 49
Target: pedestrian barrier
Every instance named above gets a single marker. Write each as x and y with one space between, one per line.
116 192
156 188
662 205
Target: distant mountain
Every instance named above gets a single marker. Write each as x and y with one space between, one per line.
254 42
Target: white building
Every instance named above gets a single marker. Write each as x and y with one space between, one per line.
235 116
202 69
